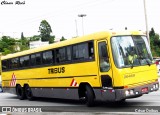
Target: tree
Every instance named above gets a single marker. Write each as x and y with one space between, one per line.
45 30
62 39
152 32
35 38
7 45
23 43
6 51
22 36
51 40
155 43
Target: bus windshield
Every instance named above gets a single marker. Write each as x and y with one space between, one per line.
130 51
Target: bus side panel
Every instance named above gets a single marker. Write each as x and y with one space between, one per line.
9 90
55 81
53 76
65 93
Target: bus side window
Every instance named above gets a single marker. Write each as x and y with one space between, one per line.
75 52
38 59
14 63
53 56
35 59
5 65
24 61
57 56
47 57
68 53
80 51
91 50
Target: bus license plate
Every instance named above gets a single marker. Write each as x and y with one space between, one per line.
144 90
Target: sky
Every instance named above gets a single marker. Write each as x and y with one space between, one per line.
62 15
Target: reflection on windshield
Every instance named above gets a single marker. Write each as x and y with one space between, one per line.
129 51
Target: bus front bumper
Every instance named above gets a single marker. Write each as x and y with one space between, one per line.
111 94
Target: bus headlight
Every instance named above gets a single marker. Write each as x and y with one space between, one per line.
157 86
131 92
127 93
154 86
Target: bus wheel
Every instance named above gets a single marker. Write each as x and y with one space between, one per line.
89 96
20 92
28 92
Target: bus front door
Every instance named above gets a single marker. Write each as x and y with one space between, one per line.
105 71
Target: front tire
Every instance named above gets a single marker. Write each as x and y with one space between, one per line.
28 93
89 96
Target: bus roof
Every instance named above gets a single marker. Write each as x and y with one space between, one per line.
94 36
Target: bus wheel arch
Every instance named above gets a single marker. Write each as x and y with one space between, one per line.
86 92
28 92
20 92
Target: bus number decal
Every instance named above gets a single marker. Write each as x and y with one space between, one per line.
129 75
56 70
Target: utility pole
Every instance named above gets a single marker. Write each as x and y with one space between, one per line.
76 28
146 21
82 15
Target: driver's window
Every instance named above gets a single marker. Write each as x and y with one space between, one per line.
103 57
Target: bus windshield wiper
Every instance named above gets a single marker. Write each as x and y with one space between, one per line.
132 65
147 61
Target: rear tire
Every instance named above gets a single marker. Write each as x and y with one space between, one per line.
20 92
89 96
28 93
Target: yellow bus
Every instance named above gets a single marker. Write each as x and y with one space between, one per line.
109 66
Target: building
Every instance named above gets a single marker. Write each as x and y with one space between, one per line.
35 44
